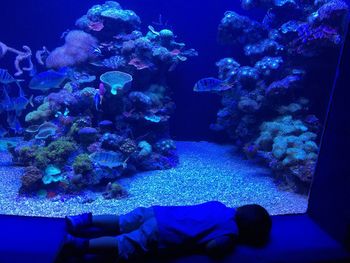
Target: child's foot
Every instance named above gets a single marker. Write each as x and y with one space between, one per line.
78 222
75 245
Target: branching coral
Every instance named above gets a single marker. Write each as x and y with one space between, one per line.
21 56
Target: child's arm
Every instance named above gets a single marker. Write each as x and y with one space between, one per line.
220 245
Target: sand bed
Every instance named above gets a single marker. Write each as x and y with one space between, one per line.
207 171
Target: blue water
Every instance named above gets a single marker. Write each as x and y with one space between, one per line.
95 139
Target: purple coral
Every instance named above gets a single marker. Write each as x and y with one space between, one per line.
79 47
312 41
237 29
332 13
284 86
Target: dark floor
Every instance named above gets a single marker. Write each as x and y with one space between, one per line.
293 239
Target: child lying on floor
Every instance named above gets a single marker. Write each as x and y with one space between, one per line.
210 227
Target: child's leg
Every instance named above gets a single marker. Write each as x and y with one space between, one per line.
80 246
107 223
87 225
135 219
111 223
103 245
129 246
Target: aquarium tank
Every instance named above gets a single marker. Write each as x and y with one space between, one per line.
107 106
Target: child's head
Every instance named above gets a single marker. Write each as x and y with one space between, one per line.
254 224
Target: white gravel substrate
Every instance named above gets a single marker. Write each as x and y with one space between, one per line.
207 171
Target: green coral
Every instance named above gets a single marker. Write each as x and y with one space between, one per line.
40 115
25 155
114 191
292 146
60 150
52 175
41 159
145 149
56 152
82 164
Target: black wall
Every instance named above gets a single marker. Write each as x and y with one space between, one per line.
329 202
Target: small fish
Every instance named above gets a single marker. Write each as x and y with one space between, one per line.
101 89
65 113
3 132
48 80
6 78
97 101
33 72
96 51
7 103
211 85
21 103
13 122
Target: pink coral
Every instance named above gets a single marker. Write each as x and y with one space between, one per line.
78 48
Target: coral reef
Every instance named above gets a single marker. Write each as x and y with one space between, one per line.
79 47
25 55
82 164
263 109
114 191
104 108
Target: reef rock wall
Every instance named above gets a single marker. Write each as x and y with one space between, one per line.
102 107
264 109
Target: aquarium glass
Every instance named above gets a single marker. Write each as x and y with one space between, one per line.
108 106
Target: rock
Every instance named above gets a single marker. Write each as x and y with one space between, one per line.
106 126
87 135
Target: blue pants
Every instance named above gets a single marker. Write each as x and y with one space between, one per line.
139 233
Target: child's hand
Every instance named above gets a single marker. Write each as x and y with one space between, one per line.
219 246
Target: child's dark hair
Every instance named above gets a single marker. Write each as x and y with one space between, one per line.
254 224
